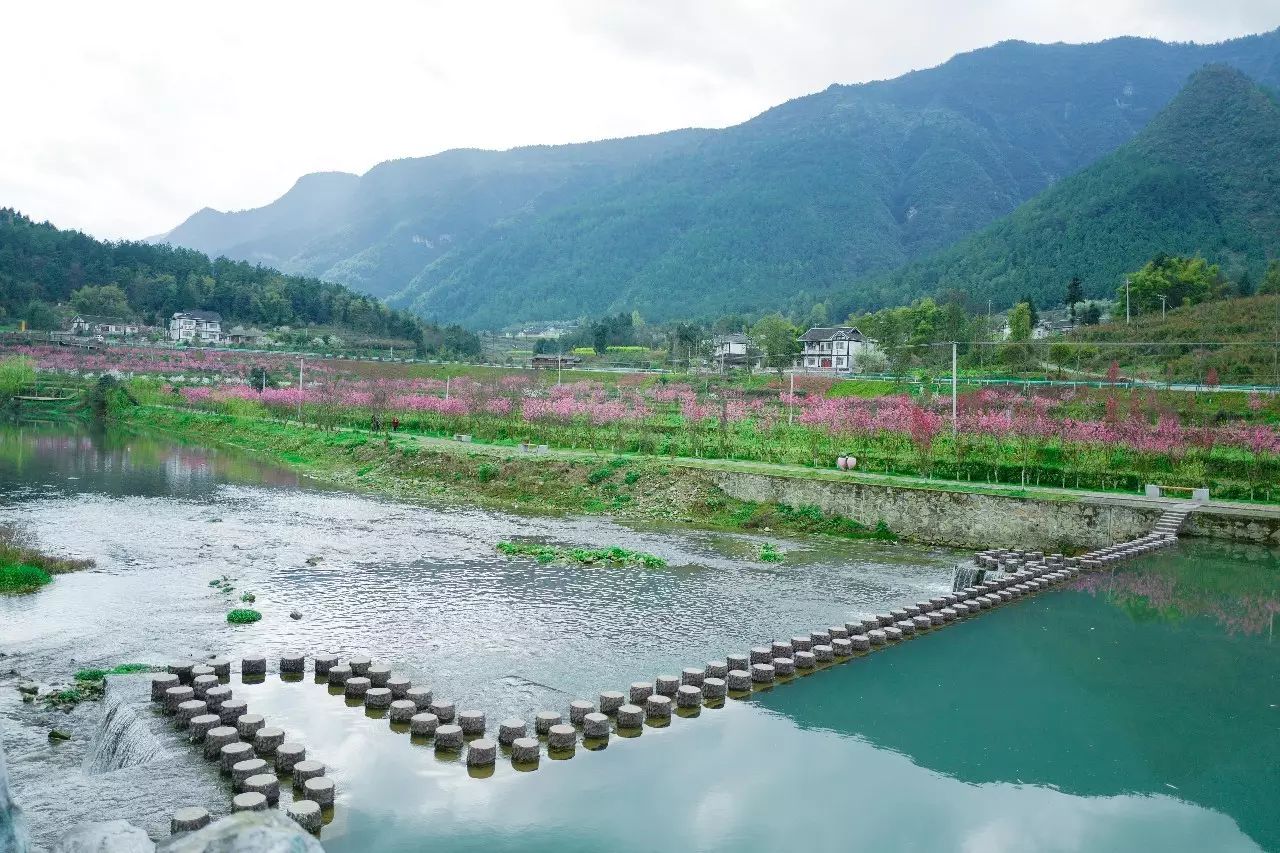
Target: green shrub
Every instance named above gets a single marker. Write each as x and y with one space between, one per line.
487 473
769 553
600 475
242 616
586 556
20 578
632 478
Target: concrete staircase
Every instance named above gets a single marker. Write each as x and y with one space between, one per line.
1171 521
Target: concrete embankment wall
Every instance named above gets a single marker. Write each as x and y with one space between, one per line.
967 520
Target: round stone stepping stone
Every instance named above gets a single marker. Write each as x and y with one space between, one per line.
242 770
319 791
324 663
784 666
658 708
611 701
472 722
420 696
761 654
357 686
565 736
268 740
253 665
481 752
739 679
805 660
249 725
252 801
232 754
216 738
200 726
544 720
689 696
288 756
510 730
715 669
402 711
340 675
692 676
377 697
304 770
595 725
640 691
666 685
188 820
630 716
202 683
232 710
823 652
189 710
578 710
762 673
307 814
379 674
524 750
444 709
399 687
221 667
360 664
265 784
160 684
423 724
449 737
175 696
293 662
714 688
742 662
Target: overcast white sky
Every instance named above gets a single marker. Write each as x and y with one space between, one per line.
123 118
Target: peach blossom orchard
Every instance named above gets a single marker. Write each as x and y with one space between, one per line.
1109 438
1063 437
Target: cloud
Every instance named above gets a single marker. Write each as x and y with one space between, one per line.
127 117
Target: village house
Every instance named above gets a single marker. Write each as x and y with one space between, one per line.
91 325
833 348
735 350
248 337
196 327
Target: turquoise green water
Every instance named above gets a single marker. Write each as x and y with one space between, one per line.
1137 712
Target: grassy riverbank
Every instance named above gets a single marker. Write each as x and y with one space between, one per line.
402 466
24 569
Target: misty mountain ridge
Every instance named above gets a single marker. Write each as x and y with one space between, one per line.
788 208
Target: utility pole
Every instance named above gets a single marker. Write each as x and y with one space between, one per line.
791 402
955 424
1164 300
1126 300
300 390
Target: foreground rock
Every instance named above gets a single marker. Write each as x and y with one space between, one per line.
246 832
112 836
13 829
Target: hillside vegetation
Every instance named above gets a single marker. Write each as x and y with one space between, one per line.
1202 178
780 212
41 265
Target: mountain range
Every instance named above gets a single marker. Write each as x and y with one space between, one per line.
856 196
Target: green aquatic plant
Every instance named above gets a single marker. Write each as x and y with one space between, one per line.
21 577
614 556
248 598
769 553
243 616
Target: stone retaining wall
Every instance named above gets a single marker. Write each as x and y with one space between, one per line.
968 520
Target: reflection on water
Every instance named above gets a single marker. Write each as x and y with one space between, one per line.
1061 723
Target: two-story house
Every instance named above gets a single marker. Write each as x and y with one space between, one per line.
196 327
832 348
90 325
734 350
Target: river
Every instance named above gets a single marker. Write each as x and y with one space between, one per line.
1137 710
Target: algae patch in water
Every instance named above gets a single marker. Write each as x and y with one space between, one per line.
243 616
585 556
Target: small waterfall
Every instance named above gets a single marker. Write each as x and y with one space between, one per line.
125 738
13 826
966 574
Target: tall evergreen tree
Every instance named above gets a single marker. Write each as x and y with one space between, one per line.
1075 295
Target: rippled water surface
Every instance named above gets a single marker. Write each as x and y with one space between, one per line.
1137 711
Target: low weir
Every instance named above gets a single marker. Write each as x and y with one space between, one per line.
124 738
260 759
